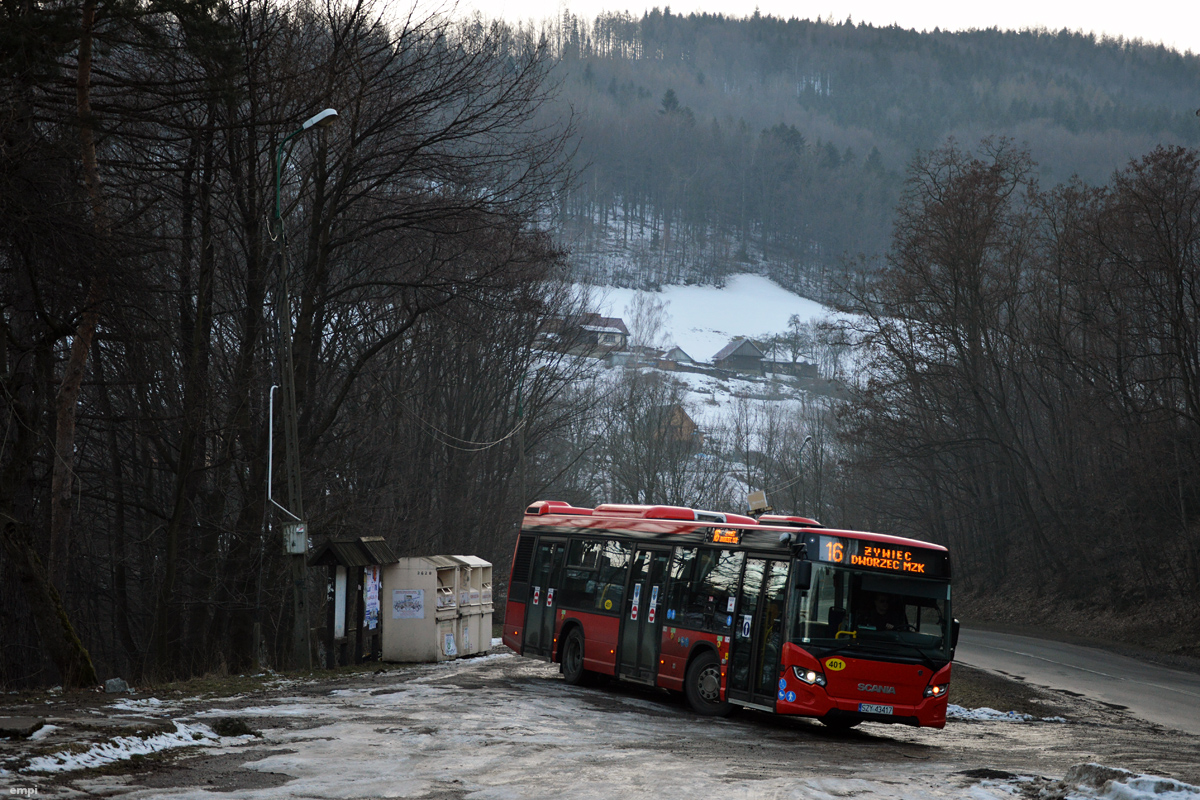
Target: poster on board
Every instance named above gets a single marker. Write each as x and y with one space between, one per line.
408 604
371 594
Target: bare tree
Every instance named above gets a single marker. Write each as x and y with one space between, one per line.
1031 359
418 215
651 448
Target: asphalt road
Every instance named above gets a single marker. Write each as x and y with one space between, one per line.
1164 696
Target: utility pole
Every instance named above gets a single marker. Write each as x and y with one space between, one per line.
521 440
800 469
295 531
521 434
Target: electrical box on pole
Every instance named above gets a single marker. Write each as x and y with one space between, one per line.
757 501
295 539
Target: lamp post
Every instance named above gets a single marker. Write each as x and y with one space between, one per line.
295 531
521 432
800 461
521 440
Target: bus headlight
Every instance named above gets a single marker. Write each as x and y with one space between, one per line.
809 676
936 691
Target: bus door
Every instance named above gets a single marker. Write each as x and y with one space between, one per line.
758 633
540 609
641 622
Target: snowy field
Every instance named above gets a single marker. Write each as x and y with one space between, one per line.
502 727
703 319
715 403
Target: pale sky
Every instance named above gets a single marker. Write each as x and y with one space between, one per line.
1174 23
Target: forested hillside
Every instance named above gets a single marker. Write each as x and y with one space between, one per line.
1028 391
143 297
710 144
1031 390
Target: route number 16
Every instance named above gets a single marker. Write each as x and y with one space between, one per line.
834 551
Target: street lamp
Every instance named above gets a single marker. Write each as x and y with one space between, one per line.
321 120
800 468
295 532
521 432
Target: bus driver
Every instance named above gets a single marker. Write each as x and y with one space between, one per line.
883 615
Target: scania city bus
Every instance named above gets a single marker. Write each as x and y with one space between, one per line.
777 614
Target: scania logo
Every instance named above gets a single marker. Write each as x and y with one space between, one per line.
875 687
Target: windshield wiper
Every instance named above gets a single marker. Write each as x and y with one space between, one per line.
882 647
839 649
926 657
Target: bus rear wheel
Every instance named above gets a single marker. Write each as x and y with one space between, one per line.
703 686
572 659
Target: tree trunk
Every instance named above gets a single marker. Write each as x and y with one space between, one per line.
49 615
67 399
66 402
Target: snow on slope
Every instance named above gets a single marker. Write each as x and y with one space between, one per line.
702 319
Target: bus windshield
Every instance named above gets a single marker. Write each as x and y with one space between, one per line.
854 610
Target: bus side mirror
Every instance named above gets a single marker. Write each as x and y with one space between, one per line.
803 575
954 625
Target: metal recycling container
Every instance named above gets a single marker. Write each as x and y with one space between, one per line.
475 604
436 608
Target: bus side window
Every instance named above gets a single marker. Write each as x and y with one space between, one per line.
579 585
578 588
698 610
824 614
721 572
683 570
610 582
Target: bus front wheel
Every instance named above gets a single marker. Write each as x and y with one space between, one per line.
572 659
703 686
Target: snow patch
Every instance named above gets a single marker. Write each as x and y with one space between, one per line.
986 714
287 707
489 657
1150 787
44 731
124 748
149 704
1086 781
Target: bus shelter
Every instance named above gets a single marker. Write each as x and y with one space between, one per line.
352 620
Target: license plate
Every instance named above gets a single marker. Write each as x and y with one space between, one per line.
867 708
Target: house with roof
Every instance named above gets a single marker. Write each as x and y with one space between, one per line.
740 355
677 354
675 358
678 425
606 333
588 334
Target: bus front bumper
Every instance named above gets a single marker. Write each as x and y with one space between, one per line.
814 701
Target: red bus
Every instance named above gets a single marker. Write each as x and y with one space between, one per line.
779 614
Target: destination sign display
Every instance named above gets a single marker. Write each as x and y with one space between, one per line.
917 562
725 536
